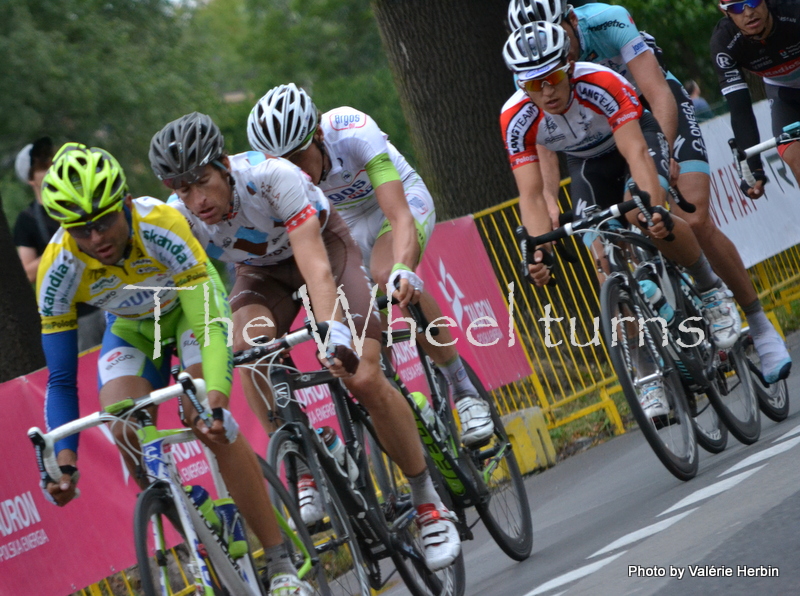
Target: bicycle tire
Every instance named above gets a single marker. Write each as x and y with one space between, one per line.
336 543
671 437
514 535
284 503
739 411
153 504
774 399
450 581
710 431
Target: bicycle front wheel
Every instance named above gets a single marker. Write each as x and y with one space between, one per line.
671 435
166 560
286 507
506 513
733 396
336 544
774 399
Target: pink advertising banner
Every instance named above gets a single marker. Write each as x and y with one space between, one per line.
46 550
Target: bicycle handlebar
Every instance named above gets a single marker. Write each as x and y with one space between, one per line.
279 344
44 443
414 310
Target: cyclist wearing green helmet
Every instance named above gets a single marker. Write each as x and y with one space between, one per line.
116 252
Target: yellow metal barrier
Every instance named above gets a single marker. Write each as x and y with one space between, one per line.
571 376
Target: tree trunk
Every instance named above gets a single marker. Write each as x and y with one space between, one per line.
446 57
20 327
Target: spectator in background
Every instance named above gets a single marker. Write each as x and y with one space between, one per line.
701 108
34 228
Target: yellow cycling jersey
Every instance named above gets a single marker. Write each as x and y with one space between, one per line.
164 253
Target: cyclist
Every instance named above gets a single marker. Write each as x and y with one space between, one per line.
607 35
116 253
761 36
266 216
382 200
595 117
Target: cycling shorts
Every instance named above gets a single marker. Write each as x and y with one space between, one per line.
784 103
129 346
273 285
366 228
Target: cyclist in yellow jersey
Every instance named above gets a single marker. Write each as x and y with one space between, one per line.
127 256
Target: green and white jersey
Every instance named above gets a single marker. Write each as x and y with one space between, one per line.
355 144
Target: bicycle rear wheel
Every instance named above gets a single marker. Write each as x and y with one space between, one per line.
733 396
774 399
506 513
336 544
711 432
166 562
286 506
672 436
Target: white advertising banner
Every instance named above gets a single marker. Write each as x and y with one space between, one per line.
760 228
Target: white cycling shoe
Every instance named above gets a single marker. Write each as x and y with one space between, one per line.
285 584
476 420
310 500
653 400
720 312
775 360
439 536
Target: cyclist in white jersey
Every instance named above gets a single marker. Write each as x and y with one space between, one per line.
265 215
595 117
606 34
385 203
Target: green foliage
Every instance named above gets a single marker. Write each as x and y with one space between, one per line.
683 30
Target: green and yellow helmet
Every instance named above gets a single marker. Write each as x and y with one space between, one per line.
82 185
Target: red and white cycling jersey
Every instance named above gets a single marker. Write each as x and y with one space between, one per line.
601 101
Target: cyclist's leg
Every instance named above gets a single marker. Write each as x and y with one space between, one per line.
694 184
127 368
392 418
259 297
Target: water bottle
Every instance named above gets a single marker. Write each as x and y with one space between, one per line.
204 504
232 527
339 451
659 303
428 415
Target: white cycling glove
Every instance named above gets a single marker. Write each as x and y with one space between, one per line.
400 271
228 423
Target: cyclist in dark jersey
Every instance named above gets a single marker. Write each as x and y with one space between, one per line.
762 36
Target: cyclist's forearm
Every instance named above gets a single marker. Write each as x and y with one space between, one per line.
213 338
61 402
743 123
67 457
665 112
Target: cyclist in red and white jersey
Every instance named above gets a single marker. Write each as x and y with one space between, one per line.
385 204
606 34
596 118
266 216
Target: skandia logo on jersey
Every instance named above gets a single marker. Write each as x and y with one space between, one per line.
345 121
54 279
607 25
177 250
597 96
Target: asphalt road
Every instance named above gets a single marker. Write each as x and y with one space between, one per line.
613 521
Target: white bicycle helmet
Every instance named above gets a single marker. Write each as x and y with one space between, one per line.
283 121
522 12
535 49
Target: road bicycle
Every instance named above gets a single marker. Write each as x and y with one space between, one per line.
486 476
359 530
191 553
773 399
644 348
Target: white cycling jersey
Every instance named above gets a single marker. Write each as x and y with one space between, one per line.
271 196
